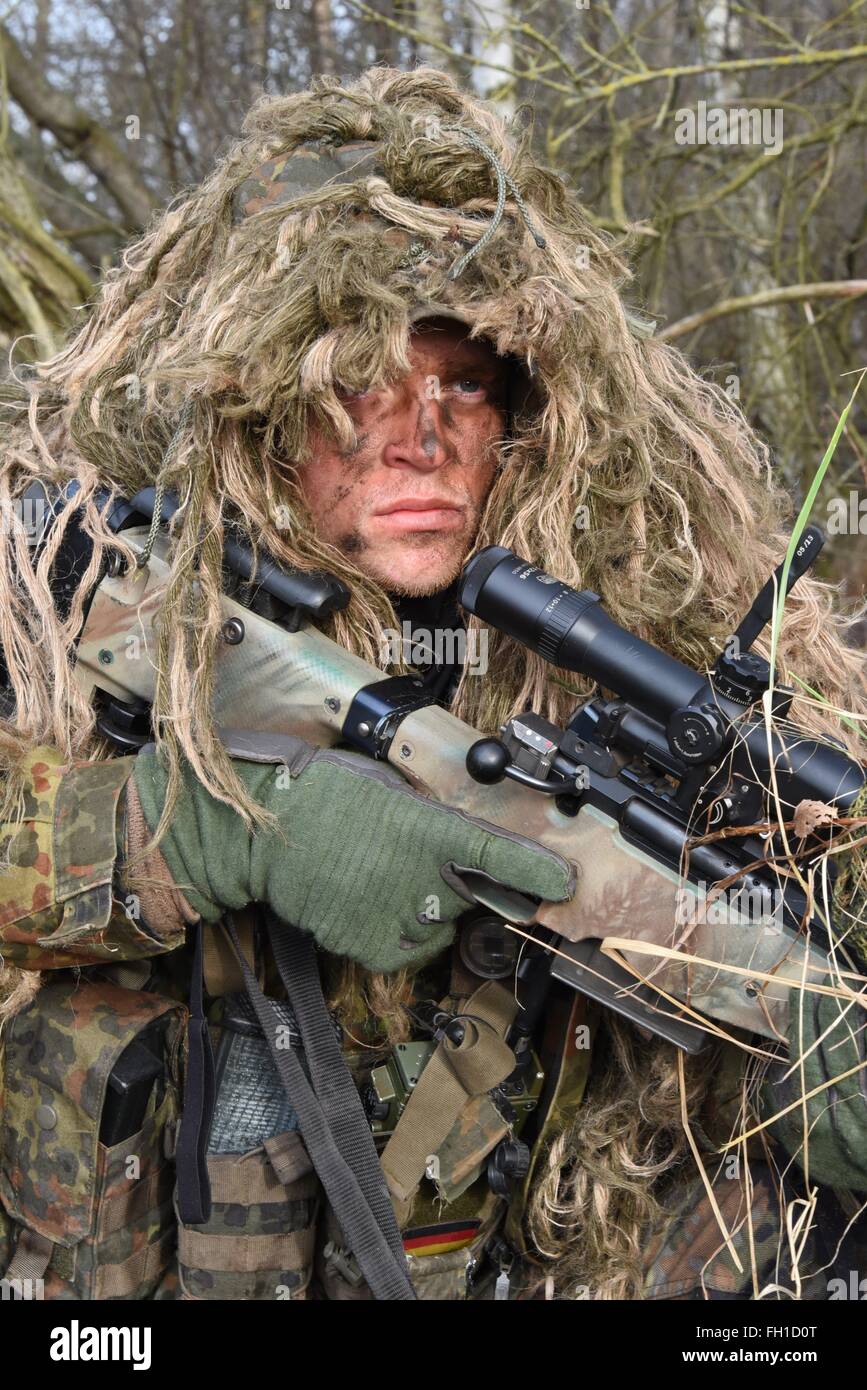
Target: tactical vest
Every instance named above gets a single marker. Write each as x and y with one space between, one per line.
99 1068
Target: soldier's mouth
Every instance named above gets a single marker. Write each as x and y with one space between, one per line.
419 514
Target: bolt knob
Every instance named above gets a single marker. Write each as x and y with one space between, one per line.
487 761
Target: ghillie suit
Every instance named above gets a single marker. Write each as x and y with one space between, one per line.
294 267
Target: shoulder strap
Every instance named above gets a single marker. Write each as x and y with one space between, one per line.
333 1124
191 1156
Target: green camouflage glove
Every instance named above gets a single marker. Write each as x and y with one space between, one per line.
837 1115
368 861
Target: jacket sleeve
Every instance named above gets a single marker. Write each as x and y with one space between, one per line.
62 896
837 1115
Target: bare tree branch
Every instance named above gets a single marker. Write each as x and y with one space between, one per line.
78 133
775 60
787 294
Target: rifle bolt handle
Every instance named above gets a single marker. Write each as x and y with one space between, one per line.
487 761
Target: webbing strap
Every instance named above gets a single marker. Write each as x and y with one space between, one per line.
285 1250
289 1158
191 1158
32 1256
222 975
244 1180
141 1198
142 1267
369 1229
333 1083
453 1076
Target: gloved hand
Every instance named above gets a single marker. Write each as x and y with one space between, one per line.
367 862
836 1115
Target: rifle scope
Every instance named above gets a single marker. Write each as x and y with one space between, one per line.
571 629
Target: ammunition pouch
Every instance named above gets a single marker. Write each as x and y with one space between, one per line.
452 1091
58 904
89 1219
258 1241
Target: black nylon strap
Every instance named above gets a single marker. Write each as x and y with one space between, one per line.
295 955
191 1157
372 1243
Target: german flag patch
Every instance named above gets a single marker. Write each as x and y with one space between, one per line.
437 1240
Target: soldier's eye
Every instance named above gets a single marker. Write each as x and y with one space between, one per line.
470 386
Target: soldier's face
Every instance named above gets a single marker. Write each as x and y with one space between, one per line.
405 503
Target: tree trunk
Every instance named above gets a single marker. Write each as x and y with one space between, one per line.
761 335
384 38
325 53
431 22
40 284
257 26
78 133
494 46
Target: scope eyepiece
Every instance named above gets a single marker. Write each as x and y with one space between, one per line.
570 628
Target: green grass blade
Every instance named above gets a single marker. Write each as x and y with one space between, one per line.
801 522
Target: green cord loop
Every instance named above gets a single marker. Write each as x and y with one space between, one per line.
156 518
504 181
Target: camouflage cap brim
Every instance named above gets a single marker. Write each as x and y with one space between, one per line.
307 169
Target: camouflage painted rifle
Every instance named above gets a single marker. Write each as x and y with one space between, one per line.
620 792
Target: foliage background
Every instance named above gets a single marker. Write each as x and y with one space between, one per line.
109 107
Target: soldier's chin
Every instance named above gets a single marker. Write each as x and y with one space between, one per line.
421 563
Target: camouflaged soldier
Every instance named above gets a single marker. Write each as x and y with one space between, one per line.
343 349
